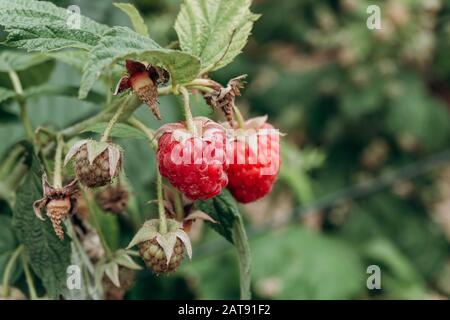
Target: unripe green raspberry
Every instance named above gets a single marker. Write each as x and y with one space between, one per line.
153 255
96 163
162 252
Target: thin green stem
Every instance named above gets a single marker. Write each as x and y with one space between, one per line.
244 258
161 209
17 85
239 118
57 172
146 130
29 278
94 220
187 110
178 200
115 118
8 270
11 160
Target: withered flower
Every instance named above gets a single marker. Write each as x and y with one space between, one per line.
113 199
144 79
59 203
223 98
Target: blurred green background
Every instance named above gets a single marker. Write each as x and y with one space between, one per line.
366 160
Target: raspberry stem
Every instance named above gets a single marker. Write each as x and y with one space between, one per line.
187 111
114 119
161 209
240 240
29 278
239 118
15 80
146 130
8 270
57 176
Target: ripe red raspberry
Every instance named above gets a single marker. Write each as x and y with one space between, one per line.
193 163
254 168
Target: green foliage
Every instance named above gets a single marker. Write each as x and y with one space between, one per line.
135 17
42 26
18 61
8 243
121 43
214 31
224 210
48 256
306 265
120 130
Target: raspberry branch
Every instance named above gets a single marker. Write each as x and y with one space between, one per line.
161 209
57 177
187 111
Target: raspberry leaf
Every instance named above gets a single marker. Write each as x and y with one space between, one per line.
121 43
18 61
215 31
120 130
223 209
42 26
6 94
138 23
49 257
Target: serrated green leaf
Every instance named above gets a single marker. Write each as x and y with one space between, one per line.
8 117
224 210
214 31
18 61
48 256
122 43
6 94
42 26
56 90
120 130
136 19
74 58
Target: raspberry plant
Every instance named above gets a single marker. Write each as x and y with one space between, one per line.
135 70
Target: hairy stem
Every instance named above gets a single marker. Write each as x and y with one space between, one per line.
239 118
161 209
94 220
21 101
29 278
11 159
8 270
178 199
146 130
114 119
244 259
187 111
57 172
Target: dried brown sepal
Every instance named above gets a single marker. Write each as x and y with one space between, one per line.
144 79
59 203
223 98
